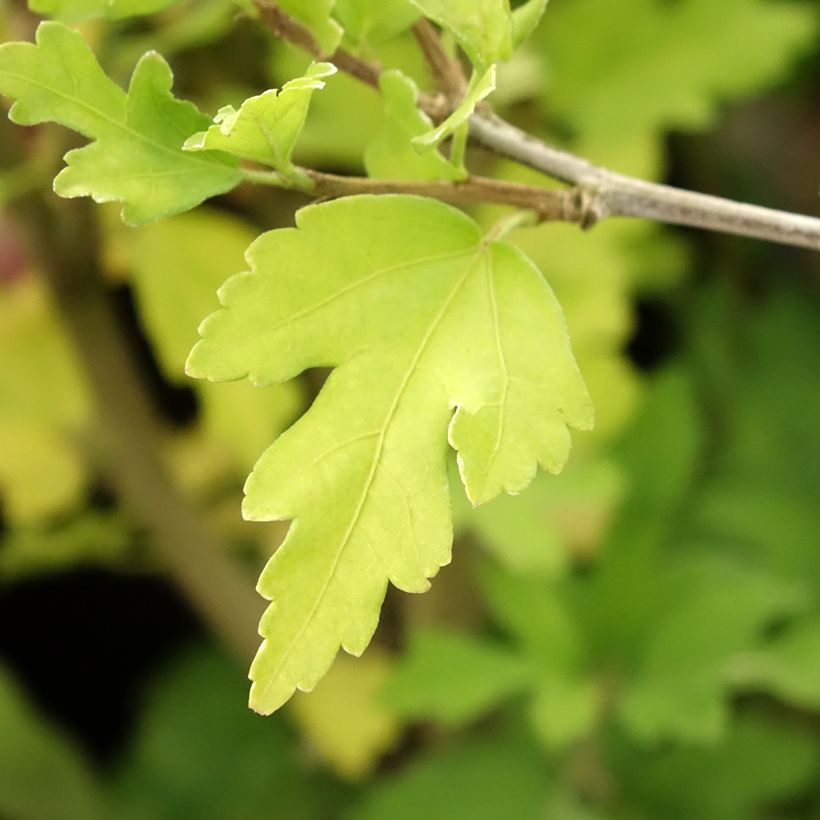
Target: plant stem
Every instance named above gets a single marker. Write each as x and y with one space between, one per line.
447 71
605 193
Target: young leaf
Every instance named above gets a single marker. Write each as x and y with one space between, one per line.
316 16
266 127
136 157
483 28
416 322
391 155
481 85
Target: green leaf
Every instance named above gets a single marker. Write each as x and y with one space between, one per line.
42 774
647 65
760 762
787 667
684 673
316 16
136 157
391 155
266 127
486 779
373 21
72 11
481 85
192 723
566 702
453 678
483 28
416 322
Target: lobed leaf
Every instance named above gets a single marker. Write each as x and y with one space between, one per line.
416 323
266 127
136 156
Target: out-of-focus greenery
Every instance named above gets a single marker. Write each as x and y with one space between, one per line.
636 639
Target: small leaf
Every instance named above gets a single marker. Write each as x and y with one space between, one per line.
137 156
453 678
266 127
391 155
416 322
481 85
483 28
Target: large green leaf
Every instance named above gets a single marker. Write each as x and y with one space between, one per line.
416 322
137 155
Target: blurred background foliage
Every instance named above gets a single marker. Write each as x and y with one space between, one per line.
637 639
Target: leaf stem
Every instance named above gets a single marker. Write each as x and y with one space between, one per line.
510 223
